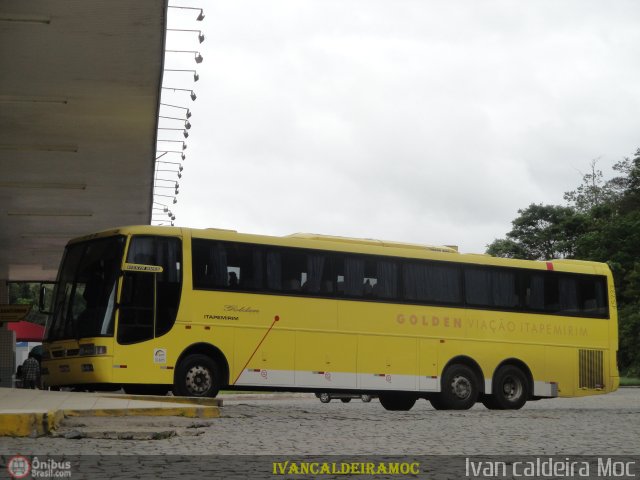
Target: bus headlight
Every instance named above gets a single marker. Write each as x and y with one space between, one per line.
89 349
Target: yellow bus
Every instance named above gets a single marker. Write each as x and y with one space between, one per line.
153 309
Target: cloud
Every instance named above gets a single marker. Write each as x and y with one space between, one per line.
413 121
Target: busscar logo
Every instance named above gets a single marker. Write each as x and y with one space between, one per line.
18 466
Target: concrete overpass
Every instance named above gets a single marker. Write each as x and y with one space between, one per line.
80 86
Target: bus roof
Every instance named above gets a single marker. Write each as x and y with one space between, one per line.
356 245
370 241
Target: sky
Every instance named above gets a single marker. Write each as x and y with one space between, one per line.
422 121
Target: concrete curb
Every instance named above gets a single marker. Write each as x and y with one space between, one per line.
186 411
206 401
39 423
31 424
266 396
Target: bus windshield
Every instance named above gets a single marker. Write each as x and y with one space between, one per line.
85 292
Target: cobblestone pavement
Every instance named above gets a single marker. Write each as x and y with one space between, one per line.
301 425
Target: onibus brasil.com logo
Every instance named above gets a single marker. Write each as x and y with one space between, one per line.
20 467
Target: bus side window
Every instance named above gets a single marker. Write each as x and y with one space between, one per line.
568 295
294 271
244 267
432 282
354 281
592 296
316 266
535 291
386 280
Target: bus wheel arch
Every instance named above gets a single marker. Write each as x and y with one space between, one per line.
511 386
203 364
462 383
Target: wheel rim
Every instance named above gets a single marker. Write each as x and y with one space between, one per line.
325 397
461 387
198 380
512 388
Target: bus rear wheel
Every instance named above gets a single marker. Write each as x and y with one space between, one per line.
459 389
397 401
197 375
489 401
510 389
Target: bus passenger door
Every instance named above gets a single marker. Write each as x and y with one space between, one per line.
148 307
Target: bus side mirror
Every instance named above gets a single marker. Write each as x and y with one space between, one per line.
45 298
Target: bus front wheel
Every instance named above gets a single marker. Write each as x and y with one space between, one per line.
459 389
397 401
510 389
197 375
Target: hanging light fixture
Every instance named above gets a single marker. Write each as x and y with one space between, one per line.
200 16
199 32
197 57
187 114
193 94
196 77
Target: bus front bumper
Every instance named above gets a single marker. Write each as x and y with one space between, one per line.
77 371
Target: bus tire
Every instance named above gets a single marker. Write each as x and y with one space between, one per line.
459 389
197 375
510 388
436 403
397 401
489 401
325 397
345 400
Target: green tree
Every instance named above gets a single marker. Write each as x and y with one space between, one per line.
541 232
593 192
602 223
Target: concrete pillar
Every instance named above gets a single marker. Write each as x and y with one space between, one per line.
7 344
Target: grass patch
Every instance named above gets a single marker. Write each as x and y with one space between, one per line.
629 382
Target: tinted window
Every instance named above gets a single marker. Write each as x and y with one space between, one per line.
565 294
149 301
299 271
430 282
351 281
227 266
386 285
491 287
366 277
84 297
293 271
593 297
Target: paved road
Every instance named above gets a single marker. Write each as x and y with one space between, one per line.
301 425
